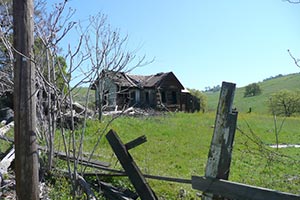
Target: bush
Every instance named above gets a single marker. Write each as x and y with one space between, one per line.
202 97
252 90
285 102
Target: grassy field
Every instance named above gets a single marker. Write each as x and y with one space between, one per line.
178 143
80 95
178 146
259 104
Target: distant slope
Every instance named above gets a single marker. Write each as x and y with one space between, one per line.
80 95
258 104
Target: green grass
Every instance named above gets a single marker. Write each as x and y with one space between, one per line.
80 95
259 104
178 146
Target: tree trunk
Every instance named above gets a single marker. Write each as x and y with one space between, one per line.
26 162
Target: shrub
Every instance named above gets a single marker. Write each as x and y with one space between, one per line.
252 89
284 102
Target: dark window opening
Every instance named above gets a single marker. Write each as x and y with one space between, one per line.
147 97
163 97
132 98
174 97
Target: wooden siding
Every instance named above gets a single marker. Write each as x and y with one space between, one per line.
160 91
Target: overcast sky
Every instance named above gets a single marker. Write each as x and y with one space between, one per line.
205 42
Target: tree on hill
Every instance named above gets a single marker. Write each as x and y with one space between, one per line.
213 89
252 89
285 103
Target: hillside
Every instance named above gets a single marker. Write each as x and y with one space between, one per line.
80 95
258 103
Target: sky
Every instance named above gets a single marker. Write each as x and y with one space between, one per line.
205 42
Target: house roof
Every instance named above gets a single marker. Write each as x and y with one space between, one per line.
149 81
128 80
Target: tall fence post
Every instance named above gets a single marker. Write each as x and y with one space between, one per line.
26 152
219 157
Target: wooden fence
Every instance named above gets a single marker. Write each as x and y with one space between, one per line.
214 184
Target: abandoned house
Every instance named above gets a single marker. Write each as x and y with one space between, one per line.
163 91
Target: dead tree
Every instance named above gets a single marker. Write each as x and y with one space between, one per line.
49 31
108 53
26 162
6 52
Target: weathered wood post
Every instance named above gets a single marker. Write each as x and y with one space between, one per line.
135 175
233 190
26 162
219 157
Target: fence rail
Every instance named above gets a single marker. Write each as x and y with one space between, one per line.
234 190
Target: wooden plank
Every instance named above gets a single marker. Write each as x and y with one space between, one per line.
149 176
111 192
137 179
136 142
6 128
82 161
6 139
234 190
6 161
86 188
219 157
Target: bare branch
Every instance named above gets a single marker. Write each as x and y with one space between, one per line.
296 61
293 2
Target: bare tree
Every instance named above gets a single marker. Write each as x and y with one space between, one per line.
108 53
296 60
294 2
99 48
50 30
6 48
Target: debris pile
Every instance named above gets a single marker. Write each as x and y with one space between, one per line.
134 112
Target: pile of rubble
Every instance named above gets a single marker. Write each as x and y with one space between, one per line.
134 112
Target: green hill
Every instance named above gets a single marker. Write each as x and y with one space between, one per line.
258 104
80 95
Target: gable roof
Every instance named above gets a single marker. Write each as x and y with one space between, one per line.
129 80
149 81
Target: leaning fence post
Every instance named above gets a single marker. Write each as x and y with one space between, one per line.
130 167
219 157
